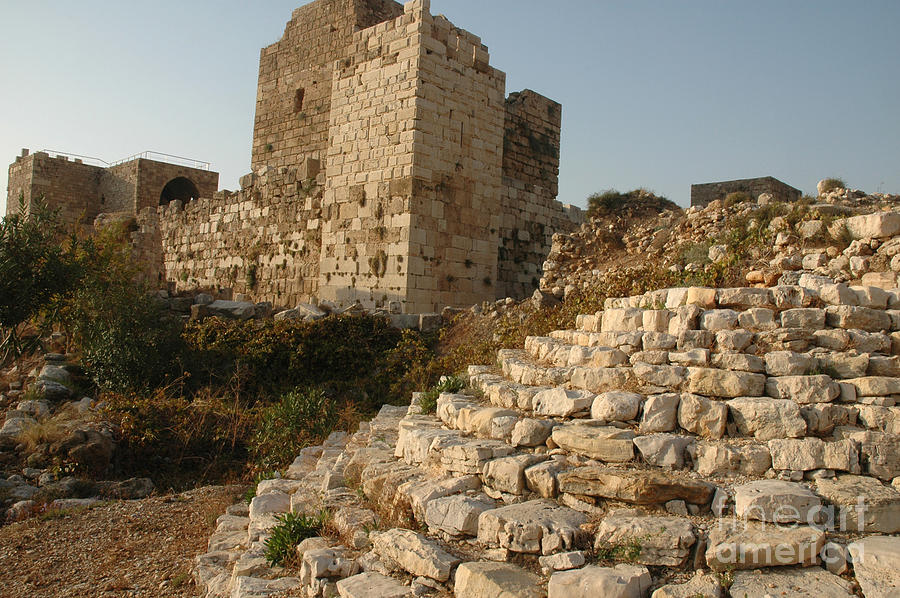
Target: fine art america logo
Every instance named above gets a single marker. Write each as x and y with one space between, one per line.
756 523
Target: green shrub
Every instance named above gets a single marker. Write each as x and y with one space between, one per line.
38 269
449 384
129 340
129 343
351 357
830 184
300 418
605 202
292 529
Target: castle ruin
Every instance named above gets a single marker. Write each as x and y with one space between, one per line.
388 168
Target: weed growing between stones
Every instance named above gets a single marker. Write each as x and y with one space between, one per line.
292 529
450 384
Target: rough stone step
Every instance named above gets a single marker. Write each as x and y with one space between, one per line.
496 580
876 565
621 581
812 582
634 486
645 539
533 527
749 545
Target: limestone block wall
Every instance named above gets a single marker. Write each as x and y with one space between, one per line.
411 206
81 191
458 157
366 205
119 187
262 241
293 99
69 186
152 176
530 212
703 194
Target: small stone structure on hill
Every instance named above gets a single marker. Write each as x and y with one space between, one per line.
388 167
702 195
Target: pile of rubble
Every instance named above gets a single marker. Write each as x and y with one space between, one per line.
685 442
824 239
43 404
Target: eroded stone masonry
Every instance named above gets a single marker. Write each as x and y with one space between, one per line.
388 168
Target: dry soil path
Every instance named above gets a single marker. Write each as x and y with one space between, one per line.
122 548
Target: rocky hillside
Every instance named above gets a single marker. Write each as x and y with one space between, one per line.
745 240
688 441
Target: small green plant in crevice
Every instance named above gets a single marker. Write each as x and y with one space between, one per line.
629 551
726 578
292 529
450 384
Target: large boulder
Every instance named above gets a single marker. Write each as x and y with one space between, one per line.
535 527
616 405
776 501
803 389
621 581
596 441
812 582
634 487
874 226
414 553
372 585
882 503
559 402
747 545
703 584
656 541
702 416
486 579
724 383
766 418
233 310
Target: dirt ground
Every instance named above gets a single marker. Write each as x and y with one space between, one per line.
121 548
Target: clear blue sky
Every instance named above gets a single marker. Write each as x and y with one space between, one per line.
659 94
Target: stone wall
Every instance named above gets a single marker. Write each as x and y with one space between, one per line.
702 195
69 186
263 240
530 212
82 191
152 177
293 99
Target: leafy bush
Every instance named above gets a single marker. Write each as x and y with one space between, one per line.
605 202
610 201
299 418
351 357
37 271
830 184
449 384
292 529
129 341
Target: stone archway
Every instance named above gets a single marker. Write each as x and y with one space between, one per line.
181 188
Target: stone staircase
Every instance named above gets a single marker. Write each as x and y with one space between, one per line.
686 442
